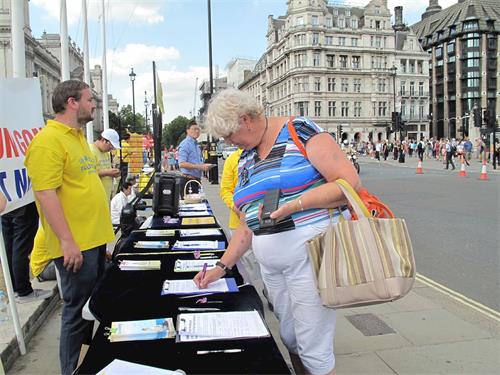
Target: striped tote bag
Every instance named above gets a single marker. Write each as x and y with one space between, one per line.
364 261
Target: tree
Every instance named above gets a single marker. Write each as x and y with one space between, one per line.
127 118
175 131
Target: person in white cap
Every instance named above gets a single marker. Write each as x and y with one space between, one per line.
107 141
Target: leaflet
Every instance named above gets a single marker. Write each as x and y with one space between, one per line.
189 287
196 265
193 207
151 244
140 330
220 326
194 213
198 245
139 265
160 233
200 232
120 367
198 220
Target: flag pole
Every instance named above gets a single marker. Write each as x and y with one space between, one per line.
156 114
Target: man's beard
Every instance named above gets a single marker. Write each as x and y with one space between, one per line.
84 118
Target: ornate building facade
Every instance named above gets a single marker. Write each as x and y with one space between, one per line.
345 68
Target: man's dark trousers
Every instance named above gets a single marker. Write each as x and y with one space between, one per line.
449 159
76 290
19 229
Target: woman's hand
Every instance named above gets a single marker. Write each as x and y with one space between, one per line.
285 210
210 276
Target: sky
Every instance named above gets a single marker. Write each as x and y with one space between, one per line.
174 33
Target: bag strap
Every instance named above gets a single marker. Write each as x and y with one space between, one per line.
188 182
295 137
353 198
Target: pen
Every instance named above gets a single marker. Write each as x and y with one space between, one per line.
219 351
204 270
194 309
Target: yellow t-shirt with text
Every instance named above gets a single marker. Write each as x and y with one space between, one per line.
59 158
103 160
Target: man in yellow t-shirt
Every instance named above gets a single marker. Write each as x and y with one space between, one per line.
101 148
73 209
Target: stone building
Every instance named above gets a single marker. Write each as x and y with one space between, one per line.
462 42
344 67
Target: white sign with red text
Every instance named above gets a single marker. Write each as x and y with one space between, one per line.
20 119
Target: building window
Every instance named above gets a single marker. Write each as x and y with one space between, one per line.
472 43
317 109
420 68
331 109
357 109
421 110
412 66
354 23
356 62
330 61
329 23
343 61
331 84
372 38
345 109
473 82
317 84
329 40
357 85
420 89
403 108
374 108
314 20
412 88
316 59
450 48
347 12
412 109
382 85
344 85
302 108
335 12
403 66
299 21
341 40
470 25
377 24
382 109
354 42
300 59
315 38
378 41
341 23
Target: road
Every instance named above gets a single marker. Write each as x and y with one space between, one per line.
453 223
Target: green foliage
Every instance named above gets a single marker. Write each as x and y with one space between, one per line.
175 131
127 117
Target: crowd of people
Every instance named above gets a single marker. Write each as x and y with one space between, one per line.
443 149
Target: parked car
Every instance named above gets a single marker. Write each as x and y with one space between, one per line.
228 151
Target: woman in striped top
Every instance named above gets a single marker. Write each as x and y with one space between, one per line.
273 160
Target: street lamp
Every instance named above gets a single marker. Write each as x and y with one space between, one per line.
394 70
132 79
146 103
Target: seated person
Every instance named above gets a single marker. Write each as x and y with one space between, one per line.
119 201
132 179
41 264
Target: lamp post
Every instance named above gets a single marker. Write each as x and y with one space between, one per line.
132 79
146 103
394 70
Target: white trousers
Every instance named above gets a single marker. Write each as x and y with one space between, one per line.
306 327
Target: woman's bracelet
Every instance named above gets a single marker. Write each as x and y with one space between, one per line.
300 204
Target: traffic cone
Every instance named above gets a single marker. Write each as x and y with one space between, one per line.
463 172
419 167
484 174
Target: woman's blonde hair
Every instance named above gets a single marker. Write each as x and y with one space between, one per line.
225 109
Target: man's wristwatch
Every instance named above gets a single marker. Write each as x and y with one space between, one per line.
222 266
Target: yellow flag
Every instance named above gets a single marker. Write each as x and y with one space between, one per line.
159 94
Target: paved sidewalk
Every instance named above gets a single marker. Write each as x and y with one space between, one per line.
427 332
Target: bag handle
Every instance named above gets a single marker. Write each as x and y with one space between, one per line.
353 198
187 183
295 137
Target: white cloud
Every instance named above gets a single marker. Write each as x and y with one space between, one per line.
116 10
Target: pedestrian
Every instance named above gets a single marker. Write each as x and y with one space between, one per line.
450 151
468 149
101 148
190 158
271 161
73 207
378 149
420 149
171 158
19 228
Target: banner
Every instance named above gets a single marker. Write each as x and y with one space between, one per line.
20 119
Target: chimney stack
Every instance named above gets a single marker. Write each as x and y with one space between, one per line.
398 16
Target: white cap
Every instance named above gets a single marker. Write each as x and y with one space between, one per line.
112 136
